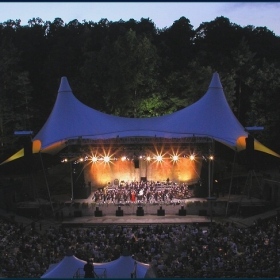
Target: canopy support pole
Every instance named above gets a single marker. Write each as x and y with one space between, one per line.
232 171
72 183
211 153
45 176
212 163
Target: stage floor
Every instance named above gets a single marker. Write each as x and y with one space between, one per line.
136 220
87 216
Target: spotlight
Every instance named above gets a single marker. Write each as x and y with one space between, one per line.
192 157
106 159
211 157
148 158
158 158
123 158
94 159
175 158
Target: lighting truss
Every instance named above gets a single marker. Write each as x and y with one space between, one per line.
139 140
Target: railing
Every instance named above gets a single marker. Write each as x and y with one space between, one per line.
98 273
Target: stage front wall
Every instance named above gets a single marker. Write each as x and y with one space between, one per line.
100 173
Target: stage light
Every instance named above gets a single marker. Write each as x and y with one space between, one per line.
211 157
123 158
106 159
159 158
81 160
94 159
148 158
192 157
175 158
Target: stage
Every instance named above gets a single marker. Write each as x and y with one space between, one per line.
190 211
88 221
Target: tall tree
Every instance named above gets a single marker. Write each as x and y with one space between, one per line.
178 43
129 67
15 94
264 110
186 86
263 43
242 67
215 40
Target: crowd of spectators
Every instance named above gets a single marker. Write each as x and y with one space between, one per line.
144 192
177 250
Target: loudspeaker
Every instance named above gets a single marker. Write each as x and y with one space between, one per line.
140 211
136 163
250 152
97 212
28 149
119 212
161 212
182 211
249 143
28 160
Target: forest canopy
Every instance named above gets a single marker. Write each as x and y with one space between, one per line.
133 69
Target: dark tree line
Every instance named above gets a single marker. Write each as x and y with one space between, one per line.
134 69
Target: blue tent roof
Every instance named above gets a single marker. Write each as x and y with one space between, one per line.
210 117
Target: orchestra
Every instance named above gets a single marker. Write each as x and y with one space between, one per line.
143 192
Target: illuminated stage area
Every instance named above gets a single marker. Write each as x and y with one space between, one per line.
101 173
107 165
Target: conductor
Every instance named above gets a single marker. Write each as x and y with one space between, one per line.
89 270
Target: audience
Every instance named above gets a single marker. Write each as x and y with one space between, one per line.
177 250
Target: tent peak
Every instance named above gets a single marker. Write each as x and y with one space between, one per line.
64 85
215 82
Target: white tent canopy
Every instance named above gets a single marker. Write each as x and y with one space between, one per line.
209 117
